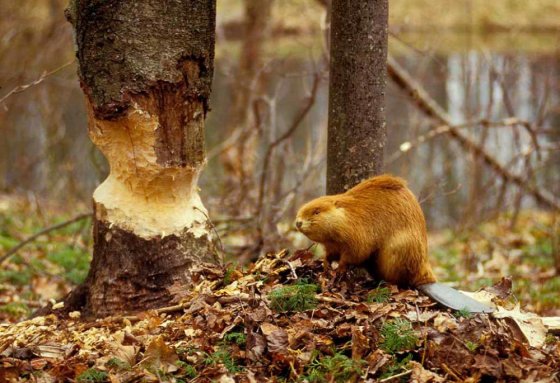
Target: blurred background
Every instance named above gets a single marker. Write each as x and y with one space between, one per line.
493 66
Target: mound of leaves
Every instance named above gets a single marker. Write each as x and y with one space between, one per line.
284 319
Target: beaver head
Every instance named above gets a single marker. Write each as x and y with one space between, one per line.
321 219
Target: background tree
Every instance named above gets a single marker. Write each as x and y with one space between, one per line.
358 79
145 67
239 157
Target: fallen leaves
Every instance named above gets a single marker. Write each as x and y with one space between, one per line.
228 329
530 325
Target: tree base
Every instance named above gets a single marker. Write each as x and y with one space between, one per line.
130 274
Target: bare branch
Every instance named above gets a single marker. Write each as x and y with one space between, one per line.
510 122
47 230
433 110
21 88
295 123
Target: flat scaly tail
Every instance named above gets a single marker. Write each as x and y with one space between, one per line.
453 299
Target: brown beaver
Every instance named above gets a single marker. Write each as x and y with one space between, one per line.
379 221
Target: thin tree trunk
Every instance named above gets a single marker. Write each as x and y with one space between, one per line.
358 79
145 67
239 159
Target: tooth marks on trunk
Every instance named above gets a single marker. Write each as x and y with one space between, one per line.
138 273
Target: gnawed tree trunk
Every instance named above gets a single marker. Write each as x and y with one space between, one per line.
145 67
358 79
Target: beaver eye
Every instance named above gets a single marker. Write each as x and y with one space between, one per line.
316 211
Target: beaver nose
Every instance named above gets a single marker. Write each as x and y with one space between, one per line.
298 224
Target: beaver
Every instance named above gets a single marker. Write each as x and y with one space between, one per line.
379 224
378 220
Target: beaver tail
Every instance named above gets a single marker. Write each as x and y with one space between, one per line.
453 299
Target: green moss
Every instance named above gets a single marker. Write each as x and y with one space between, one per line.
548 295
539 254
187 370
223 356
236 337
398 335
472 346
379 295
7 242
16 309
480 283
73 261
463 313
118 364
298 297
551 339
92 375
395 367
16 277
336 368
228 274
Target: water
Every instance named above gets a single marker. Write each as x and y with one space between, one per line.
45 150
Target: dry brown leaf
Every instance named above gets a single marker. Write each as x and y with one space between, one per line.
423 317
160 356
276 338
256 345
529 324
444 322
360 343
421 375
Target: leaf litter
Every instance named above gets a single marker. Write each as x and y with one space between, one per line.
285 319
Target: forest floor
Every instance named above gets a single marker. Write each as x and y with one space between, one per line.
284 318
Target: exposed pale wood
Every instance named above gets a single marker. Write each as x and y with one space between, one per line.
146 69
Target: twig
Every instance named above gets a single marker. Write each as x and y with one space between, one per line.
510 122
297 121
451 372
223 300
425 349
21 88
428 105
405 147
17 247
237 298
342 302
221 261
405 373
290 194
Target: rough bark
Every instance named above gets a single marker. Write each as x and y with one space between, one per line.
358 54
145 67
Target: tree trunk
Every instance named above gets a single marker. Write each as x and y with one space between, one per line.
145 67
358 79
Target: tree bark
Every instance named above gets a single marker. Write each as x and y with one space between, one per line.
145 67
358 79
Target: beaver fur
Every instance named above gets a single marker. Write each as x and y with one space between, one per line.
377 223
